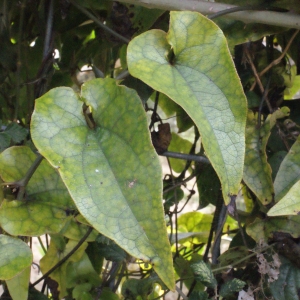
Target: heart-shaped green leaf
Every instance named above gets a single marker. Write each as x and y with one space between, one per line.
18 285
44 209
289 171
112 171
192 65
15 256
289 204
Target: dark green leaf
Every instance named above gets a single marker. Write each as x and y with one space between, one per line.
232 286
203 273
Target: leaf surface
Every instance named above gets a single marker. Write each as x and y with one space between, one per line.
289 204
15 256
191 64
263 229
47 199
289 171
179 144
18 285
112 171
195 222
203 273
56 252
288 283
257 171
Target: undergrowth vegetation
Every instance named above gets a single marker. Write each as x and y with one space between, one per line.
88 90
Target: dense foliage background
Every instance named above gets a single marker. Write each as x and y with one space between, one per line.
117 85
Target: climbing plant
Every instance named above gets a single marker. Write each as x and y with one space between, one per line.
146 151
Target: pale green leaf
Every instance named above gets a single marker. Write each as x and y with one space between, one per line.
192 65
289 171
264 228
289 204
257 171
179 144
290 93
112 171
193 223
75 231
15 256
18 285
47 199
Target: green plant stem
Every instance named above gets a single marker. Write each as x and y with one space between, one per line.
99 23
290 20
218 270
231 10
42 245
24 181
65 258
175 185
122 75
179 291
197 158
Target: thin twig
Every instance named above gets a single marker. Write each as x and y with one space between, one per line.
183 156
24 181
287 19
277 60
82 240
231 10
218 270
249 59
179 291
122 75
154 112
179 183
99 23
42 245
175 210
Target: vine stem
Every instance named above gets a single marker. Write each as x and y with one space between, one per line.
179 291
217 270
277 60
99 23
289 20
65 258
184 156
